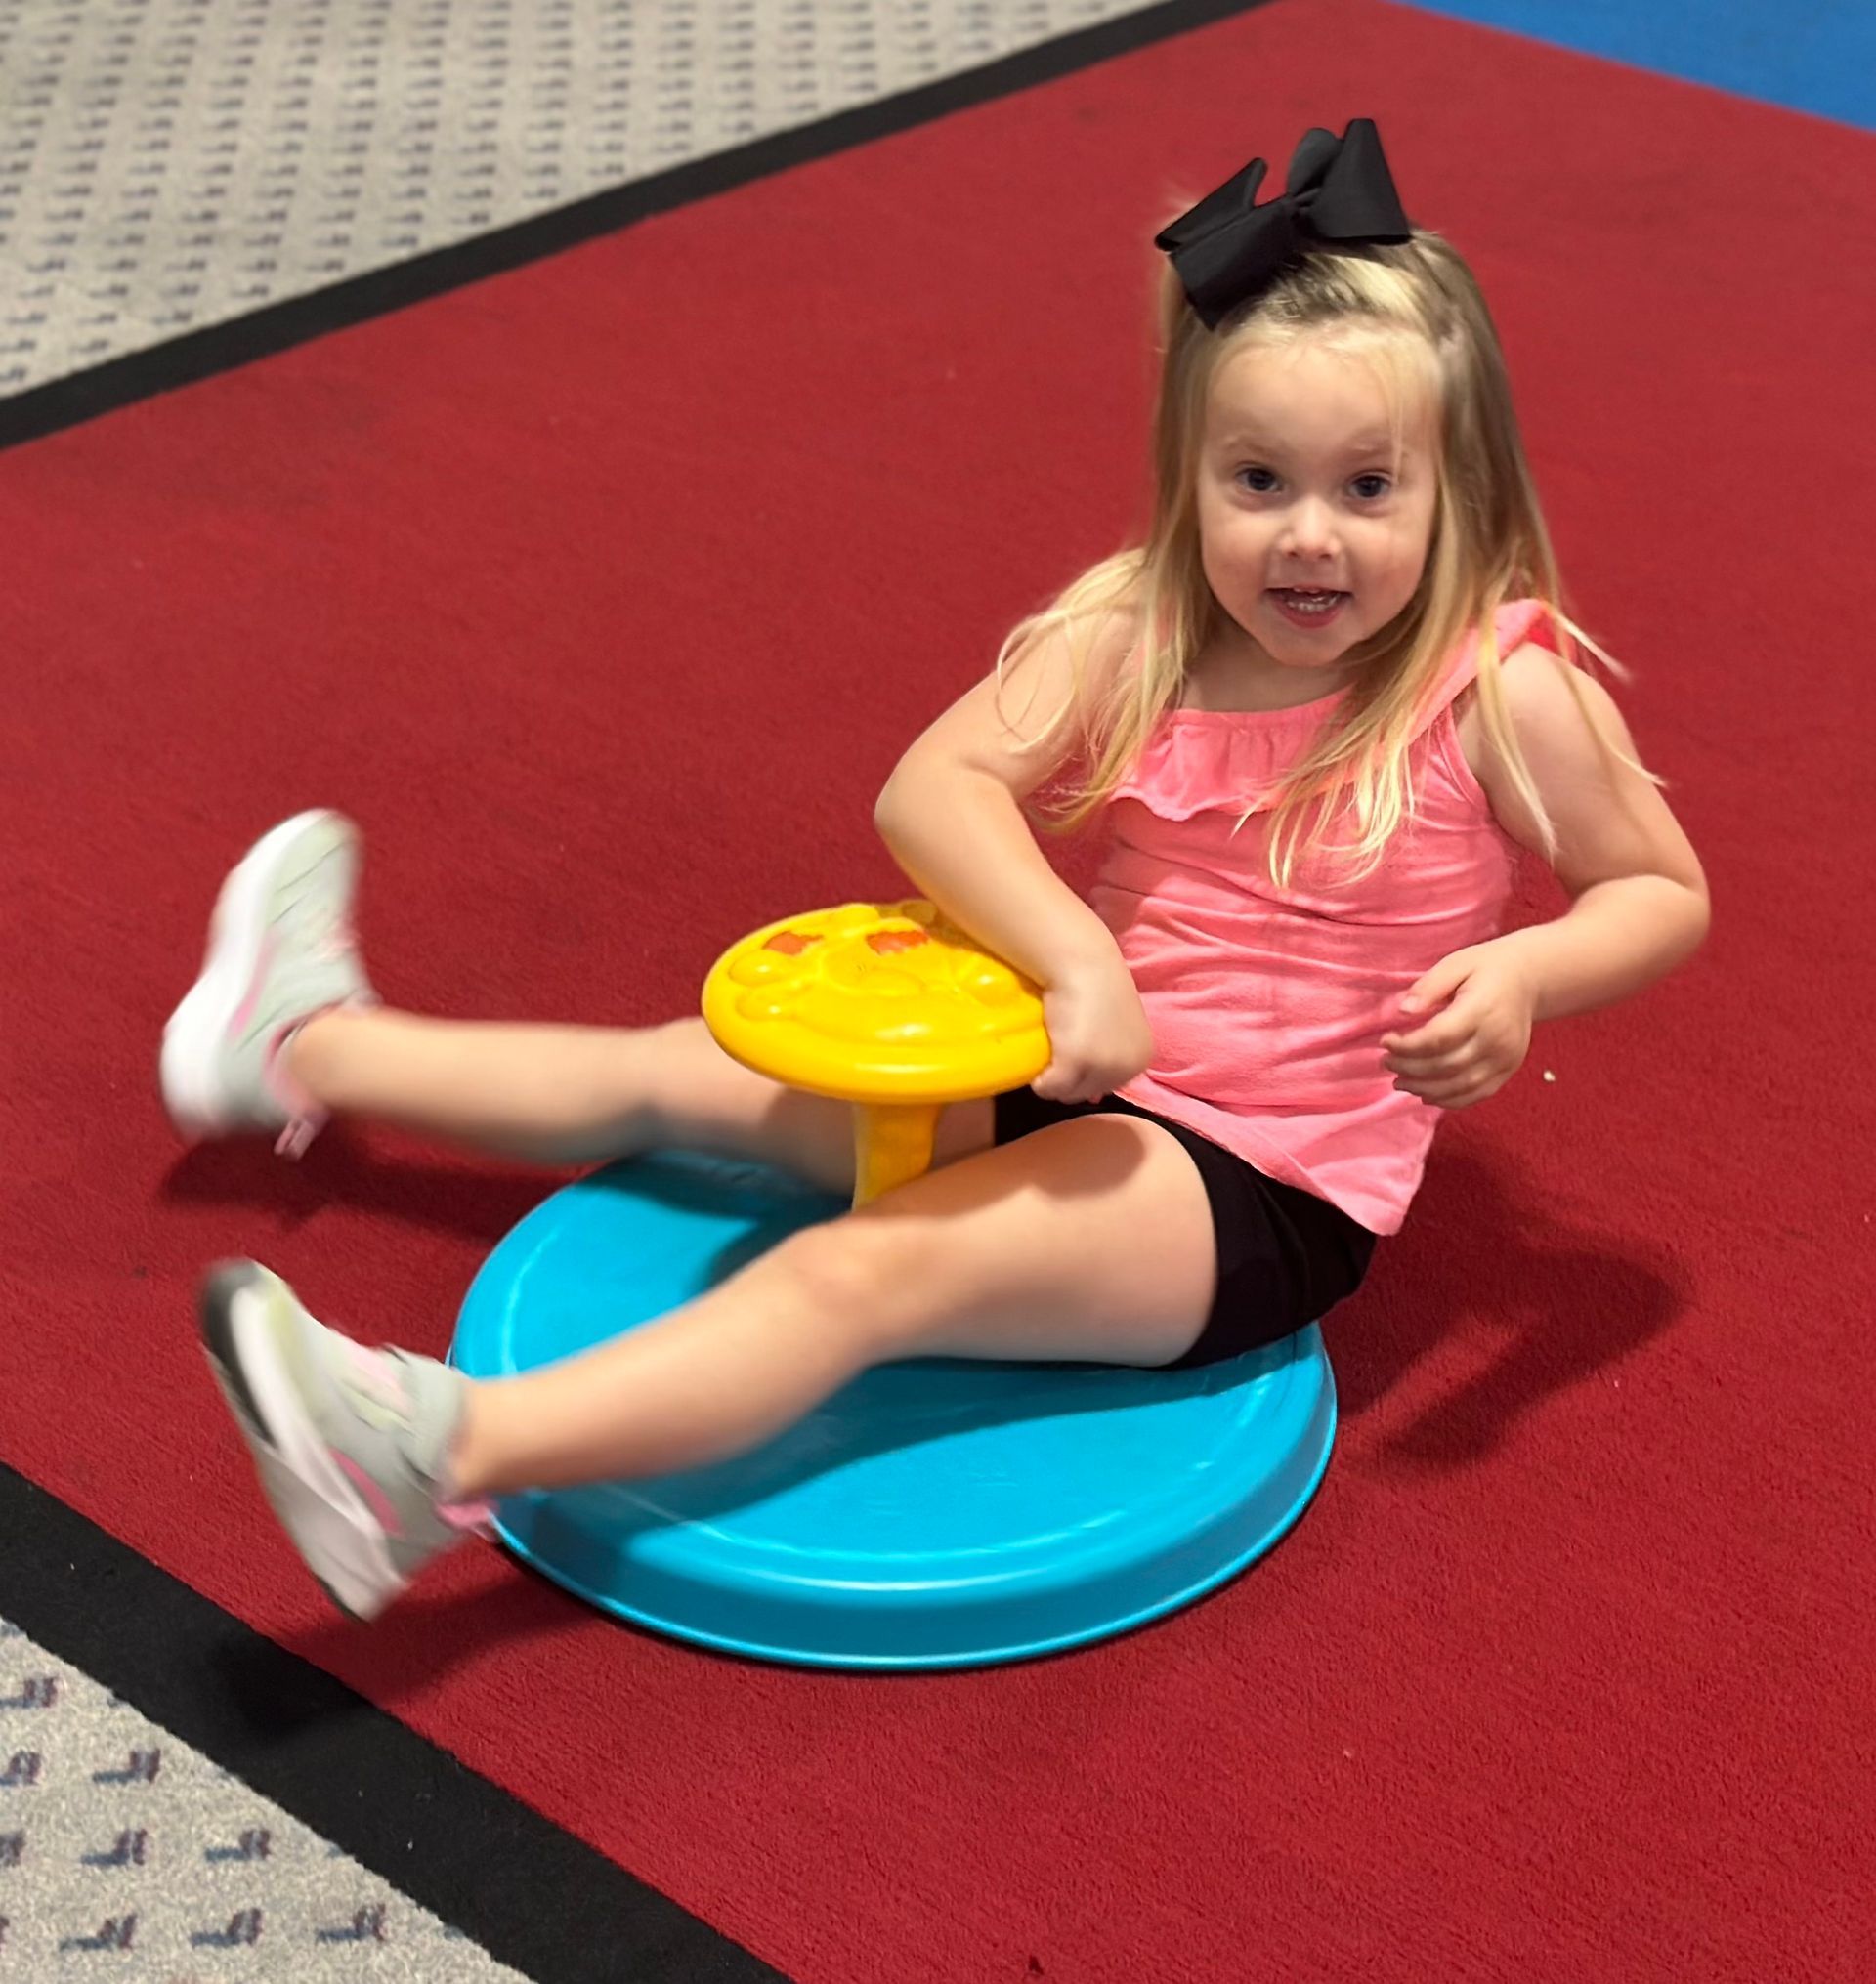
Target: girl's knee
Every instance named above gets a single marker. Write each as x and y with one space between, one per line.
680 1046
686 1077
866 1279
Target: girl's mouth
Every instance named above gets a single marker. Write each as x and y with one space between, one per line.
1307 606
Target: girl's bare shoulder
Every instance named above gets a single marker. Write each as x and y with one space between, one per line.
1547 700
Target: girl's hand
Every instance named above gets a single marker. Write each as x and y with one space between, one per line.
1474 1046
1097 1034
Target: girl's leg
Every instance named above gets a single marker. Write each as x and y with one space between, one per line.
550 1093
283 1028
1091 1240
1030 1251
577 1095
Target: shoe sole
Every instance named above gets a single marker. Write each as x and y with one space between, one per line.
193 1095
343 1545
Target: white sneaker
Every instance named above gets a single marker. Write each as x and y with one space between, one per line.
280 949
352 1445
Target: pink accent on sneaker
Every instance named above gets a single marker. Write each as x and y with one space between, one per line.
378 1502
472 1518
263 963
305 1117
297 1138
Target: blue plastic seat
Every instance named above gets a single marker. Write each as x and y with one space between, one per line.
934 1514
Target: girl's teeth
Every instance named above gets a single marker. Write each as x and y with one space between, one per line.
1310 601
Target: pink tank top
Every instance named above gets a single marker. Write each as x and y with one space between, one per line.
1267 1005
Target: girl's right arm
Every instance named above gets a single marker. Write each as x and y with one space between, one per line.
952 816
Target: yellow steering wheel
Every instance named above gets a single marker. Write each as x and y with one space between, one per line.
884 1005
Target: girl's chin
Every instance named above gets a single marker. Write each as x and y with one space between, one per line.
1307 648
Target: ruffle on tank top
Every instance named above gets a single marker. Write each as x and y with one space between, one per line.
1235 760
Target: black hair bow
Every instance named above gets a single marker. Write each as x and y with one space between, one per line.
1228 249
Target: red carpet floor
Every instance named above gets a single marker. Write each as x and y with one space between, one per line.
604 594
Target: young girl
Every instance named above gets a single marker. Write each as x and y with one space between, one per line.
1323 708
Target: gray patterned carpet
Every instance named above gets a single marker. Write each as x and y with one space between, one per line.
170 164
125 1854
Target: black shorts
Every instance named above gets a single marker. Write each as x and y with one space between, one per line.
1285 1257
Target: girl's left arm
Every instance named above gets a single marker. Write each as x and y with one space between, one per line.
1639 899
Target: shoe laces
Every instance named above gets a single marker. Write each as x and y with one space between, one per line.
336 941
321 920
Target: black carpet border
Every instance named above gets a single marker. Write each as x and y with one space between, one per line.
535 1896
195 356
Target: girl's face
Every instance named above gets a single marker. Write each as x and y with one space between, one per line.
1315 494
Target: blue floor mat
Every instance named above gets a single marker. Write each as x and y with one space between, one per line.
1807 55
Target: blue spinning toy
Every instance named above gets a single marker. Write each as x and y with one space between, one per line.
932 1514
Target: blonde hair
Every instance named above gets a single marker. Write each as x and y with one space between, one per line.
1488 545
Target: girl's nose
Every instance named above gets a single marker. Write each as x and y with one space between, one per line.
1309 530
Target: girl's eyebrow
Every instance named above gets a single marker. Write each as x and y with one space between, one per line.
1377 441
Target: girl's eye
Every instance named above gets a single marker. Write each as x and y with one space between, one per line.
1260 482
1370 487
